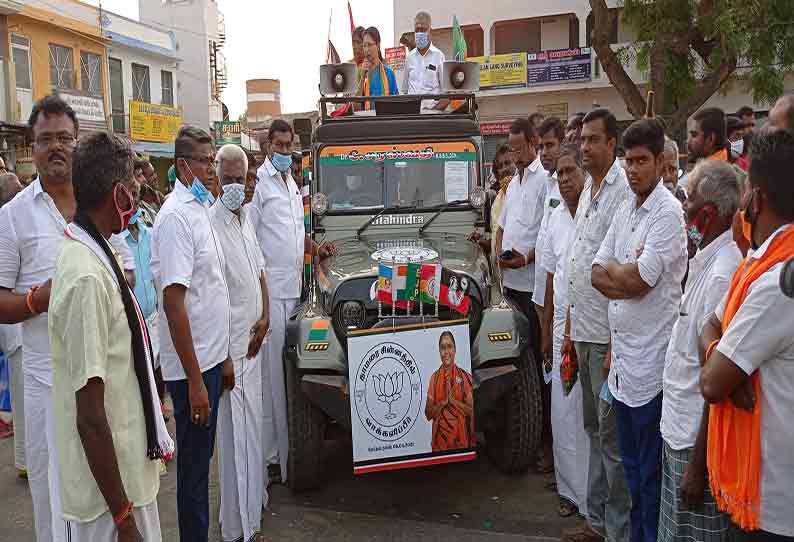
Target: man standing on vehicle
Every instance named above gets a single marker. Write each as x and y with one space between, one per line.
587 330
424 65
278 222
519 225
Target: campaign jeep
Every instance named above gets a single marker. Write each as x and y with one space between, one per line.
392 187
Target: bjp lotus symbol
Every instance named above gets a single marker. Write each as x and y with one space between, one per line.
388 388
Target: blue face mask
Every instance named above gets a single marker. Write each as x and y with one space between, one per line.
282 162
422 40
199 190
136 216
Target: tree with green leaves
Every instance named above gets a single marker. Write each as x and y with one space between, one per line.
692 49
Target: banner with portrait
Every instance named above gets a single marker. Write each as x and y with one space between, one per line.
411 396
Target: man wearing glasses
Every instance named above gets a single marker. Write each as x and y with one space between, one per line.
188 267
31 231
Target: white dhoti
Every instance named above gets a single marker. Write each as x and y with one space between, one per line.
42 462
152 327
18 407
571 445
242 472
275 439
102 529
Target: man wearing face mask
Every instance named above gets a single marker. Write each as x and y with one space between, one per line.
424 65
279 225
240 416
110 432
688 508
188 267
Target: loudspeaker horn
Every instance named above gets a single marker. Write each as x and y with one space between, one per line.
460 77
337 79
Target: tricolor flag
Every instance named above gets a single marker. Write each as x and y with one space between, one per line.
430 283
319 330
405 286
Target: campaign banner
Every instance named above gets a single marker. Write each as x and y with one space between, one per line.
227 132
411 396
559 66
153 122
502 71
395 58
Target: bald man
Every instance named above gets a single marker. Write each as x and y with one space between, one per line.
782 115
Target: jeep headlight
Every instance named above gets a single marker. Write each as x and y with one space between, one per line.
352 315
319 204
477 198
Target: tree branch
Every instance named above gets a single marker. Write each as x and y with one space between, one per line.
602 23
705 90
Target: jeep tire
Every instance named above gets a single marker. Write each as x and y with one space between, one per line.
306 425
512 444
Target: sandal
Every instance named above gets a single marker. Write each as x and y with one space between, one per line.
566 508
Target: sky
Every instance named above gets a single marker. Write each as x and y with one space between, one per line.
286 43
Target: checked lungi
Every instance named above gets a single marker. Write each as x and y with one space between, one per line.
677 523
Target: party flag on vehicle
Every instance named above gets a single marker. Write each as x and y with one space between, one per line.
430 283
406 285
455 292
459 49
319 330
384 283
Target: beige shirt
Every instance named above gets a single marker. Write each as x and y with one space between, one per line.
90 338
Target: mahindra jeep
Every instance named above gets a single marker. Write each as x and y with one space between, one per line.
395 188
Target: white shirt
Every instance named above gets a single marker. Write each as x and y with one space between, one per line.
522 213
640 328
760 337
423 73
593 216
31 234
710 273
555 248
186 251
244 267
279 230
119 244
10 338
551 200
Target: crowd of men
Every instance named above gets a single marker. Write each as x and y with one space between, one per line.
657 293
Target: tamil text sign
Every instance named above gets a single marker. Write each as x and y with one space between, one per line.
502 71
227 132
559 66
411 396
395 58
152 122
87 108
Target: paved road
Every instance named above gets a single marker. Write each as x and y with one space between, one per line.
460 502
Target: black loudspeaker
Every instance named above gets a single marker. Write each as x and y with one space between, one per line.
337 79
460 77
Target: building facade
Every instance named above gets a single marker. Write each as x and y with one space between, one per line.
199 35
263 99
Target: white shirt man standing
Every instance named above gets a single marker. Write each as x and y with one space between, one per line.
31 233
188 267
278 221
688 507
639 268
240 416
424 65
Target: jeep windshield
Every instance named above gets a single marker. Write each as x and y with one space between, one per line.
362 178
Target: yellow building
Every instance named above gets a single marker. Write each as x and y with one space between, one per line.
55 53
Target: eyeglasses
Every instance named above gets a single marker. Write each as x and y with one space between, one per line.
205 160
48 139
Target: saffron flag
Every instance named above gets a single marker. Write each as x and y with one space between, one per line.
350 13
333 56
430 283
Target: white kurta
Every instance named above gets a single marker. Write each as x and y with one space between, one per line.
571 445
240 452
147 519
274 399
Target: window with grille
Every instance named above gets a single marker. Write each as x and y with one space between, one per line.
167 83
90 73
61 66
141 88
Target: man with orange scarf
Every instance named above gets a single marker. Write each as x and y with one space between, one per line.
748 372
450 403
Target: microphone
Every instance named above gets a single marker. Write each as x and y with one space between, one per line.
787 278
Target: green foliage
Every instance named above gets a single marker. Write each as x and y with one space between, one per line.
698 37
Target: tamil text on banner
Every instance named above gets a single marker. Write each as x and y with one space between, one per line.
227 132
412 396
152 122
559 66
502 71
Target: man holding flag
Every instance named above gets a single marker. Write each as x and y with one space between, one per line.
424 65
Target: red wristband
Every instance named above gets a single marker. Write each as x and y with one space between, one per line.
29 301
119 518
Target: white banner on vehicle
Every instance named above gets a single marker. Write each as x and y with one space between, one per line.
411 396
